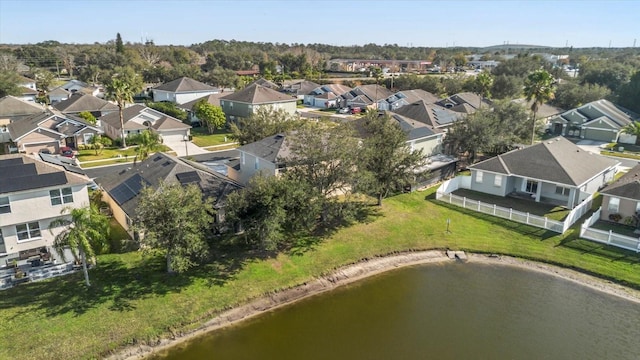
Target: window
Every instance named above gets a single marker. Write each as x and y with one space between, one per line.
638 207
1 238
497 181
532 186
257 164
479 176
61 196
5 206
614 204
28 231
562 191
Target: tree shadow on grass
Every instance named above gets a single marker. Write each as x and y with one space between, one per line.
118 284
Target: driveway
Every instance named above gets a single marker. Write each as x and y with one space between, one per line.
596 146
184 148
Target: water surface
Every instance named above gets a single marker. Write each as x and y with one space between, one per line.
445 311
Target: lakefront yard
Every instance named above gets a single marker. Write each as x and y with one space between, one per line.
133 301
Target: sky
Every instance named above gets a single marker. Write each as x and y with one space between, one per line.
405 23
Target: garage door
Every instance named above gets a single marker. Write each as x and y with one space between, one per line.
172 136
599 135
35 148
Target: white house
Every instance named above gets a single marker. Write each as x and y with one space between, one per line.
182 90
138 118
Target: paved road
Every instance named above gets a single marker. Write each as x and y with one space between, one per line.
212 156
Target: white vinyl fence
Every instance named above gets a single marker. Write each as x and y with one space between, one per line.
607 237
445 190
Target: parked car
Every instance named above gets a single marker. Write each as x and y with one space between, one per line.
343 111
67 152
356 110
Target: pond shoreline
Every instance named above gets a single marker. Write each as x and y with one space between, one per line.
358 271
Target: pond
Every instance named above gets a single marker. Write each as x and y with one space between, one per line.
444 311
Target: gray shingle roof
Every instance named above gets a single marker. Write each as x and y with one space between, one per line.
257 94
619 116
628 186
273 148
185 84
431 114
165 122
213 99
11 106
167 168
78 102
556 160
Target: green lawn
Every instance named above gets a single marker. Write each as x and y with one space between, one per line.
551 211
112 154
203 139
132 301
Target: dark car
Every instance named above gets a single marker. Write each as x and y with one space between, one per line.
67 152
44 151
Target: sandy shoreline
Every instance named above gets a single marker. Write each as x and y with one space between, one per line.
354 272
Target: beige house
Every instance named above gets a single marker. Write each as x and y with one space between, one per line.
51 131
621 199
122 189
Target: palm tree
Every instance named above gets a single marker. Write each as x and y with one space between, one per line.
633 129
539 87
122 93
84 231
483 84
148 143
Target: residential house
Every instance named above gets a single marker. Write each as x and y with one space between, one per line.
58 94
621 199
28 89
266 83
138 118
244 103
79 102
32 194
406 97
433 115
365 96
327 96
122 189
599 120
182 90
545 111
300 88
50 130
213 99
265 156
77 86
465 103
555 171
13 109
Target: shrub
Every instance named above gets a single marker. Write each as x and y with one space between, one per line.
629 220
615 217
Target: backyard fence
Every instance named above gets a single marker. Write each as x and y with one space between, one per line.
445 190
499 211
607 237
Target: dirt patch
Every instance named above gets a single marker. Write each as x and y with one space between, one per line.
358 271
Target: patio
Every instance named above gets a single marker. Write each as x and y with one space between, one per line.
520 204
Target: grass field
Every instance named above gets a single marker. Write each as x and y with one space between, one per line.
133 301
203 139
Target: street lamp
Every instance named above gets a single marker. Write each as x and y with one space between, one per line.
186 139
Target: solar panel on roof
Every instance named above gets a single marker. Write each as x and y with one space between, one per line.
128 189
11 162
188 177
29 182
19 170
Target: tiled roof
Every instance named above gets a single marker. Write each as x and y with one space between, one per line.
257 94
557 160
185 84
